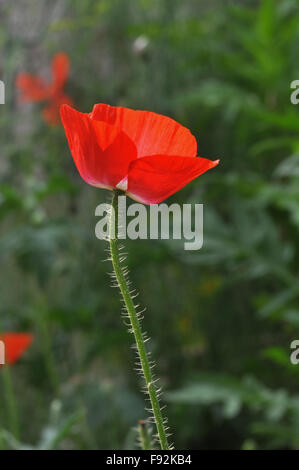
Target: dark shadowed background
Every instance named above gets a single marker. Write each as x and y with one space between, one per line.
221 318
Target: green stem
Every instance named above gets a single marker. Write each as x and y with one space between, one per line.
135 323
11 402
47 350
145 440
41 319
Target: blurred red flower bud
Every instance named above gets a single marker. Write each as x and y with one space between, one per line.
34 88
15 344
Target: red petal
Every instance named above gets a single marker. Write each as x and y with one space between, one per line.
32 88
154 178
60 70
102 153
152 133
15 345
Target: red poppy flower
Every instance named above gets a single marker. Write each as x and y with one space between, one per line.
147 155
15 345
34 88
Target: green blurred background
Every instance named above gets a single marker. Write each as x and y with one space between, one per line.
222 318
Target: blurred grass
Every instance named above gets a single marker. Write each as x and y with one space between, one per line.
222 319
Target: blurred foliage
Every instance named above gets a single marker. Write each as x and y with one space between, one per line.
222 318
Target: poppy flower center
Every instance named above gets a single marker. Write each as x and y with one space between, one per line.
123 184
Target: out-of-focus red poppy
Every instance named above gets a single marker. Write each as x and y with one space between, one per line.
147 155
15 344
35 89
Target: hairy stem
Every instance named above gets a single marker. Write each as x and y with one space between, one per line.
135 323
145 440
